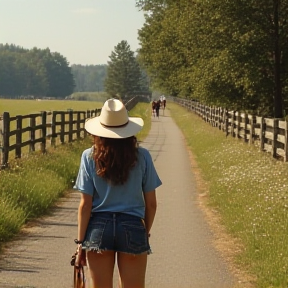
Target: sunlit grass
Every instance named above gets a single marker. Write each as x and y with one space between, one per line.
142 110
31 185
250 191
25 107
34 183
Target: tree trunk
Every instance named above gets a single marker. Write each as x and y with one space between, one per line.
278 109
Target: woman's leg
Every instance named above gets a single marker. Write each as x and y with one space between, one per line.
132 269
101 268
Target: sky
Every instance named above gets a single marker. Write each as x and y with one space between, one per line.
83 31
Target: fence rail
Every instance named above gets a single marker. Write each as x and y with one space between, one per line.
270 135
39 130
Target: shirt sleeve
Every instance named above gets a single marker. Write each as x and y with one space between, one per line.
151 179
84 181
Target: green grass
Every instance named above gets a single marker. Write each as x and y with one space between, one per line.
30 187
249 189
25 107
33 184
142 110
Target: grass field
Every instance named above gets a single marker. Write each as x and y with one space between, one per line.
25 107
248 189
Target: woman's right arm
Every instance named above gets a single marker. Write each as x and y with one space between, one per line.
150 209
84 213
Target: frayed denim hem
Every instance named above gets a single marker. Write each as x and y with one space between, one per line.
98 250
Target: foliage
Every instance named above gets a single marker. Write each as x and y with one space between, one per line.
124 76
248 189
34 72
231 53
89 78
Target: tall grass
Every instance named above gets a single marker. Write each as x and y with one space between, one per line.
249 189
33 184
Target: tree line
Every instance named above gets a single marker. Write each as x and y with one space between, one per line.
35 72
42 73
228 53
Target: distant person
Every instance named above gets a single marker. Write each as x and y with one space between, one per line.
163 102
154 103
117 180
157 108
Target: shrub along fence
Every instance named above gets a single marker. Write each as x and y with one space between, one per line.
39 130
269 134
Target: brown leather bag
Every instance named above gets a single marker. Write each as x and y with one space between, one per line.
78 263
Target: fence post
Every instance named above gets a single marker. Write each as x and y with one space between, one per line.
1 141
218 117
86 116
78 124
274 144
262 131
70 125
212 116
237 123
245 125
43 131
226 121
18 136
53 129
6 139
232 123
251 120
32 134
62 131
286 142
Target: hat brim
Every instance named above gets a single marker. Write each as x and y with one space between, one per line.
94 127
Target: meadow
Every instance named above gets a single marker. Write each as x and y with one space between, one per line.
247 191
34 183
25 107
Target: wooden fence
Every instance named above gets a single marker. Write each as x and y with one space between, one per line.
270 135
39 130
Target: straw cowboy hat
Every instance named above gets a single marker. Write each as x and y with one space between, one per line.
114 122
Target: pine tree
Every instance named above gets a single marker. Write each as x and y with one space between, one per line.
123 72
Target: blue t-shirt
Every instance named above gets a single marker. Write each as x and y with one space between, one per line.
127 198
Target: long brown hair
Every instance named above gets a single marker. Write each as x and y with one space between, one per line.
114 158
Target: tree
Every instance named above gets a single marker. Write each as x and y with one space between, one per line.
123 72
232 53
60 77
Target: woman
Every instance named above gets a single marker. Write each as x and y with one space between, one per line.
117 180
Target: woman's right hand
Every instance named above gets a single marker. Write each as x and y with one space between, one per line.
80 257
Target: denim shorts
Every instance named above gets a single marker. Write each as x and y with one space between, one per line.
118 232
